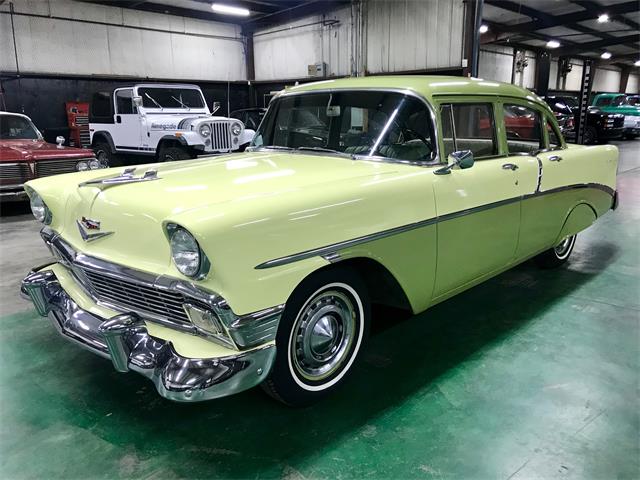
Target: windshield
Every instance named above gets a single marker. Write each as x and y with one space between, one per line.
13 127
620 101
365 123
171 98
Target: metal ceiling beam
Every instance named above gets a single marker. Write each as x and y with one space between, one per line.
599 9
312 7
545 20
608 42
167 9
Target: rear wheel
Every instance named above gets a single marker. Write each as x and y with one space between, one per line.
321 333
558 255
171 154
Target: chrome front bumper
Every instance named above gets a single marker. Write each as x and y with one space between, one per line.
124 339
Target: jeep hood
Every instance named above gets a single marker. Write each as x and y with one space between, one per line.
223 193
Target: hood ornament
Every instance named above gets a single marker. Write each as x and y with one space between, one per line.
85 225
127 176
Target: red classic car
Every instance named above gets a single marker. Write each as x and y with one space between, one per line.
24 155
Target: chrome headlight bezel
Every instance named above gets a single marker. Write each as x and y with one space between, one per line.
204 130
199 268
39 208
236 128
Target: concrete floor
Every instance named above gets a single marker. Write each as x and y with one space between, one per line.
534 374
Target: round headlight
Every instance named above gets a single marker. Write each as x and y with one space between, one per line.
94 165
236 128
205 130
185 252
82 166
39 208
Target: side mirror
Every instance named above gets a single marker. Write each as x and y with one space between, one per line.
462 159
137 101
60 140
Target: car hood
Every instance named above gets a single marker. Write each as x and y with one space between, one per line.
220 193
35 150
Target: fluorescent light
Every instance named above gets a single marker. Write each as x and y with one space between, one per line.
229 10
606 55
637 64
553 44
603 18
484 29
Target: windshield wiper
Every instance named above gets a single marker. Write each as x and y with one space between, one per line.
326 150
153 100
180 102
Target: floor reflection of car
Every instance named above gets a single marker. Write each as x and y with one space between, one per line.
24 155
600 125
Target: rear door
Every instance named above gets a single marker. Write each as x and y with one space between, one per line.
478 208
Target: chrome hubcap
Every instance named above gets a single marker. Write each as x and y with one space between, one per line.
562 248
323 335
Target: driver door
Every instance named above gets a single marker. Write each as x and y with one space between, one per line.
478 208
127 126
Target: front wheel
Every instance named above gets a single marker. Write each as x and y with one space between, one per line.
558 255
321 333
104 155
171 154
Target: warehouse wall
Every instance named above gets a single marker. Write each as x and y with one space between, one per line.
606 80
496 63
400 35
67 37
633 85
285 51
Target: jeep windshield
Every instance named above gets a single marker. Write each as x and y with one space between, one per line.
171 97
356 123
14 127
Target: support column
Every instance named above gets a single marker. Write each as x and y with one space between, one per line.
624 78
250 65
543 66
471 40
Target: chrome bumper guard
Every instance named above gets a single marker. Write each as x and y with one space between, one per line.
125 340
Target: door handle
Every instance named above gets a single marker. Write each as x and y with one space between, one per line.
118 119
555 158
510 166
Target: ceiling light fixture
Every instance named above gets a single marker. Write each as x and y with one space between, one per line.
553 44
484 29
603 18
637 64
229 10
606 55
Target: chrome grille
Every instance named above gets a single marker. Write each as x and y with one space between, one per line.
135 296
221 136
14 171
55 167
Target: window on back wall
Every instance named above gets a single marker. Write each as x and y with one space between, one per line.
522 125
469 126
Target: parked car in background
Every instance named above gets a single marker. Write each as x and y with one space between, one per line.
251 117
261 268
618 103
160 122
600 125
24 155
633 100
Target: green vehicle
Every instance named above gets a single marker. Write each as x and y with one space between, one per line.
619 103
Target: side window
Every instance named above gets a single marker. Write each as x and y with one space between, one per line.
603 101
124 102
469 126
554 141
522 125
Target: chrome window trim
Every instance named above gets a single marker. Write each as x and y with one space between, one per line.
403 91
331 252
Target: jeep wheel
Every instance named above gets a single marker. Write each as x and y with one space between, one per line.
321 333
105 156
556 256
172 154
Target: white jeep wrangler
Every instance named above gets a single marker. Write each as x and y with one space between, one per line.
165 121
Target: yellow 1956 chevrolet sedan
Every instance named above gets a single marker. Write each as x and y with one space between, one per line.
214 275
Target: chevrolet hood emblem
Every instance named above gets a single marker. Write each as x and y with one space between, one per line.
85 225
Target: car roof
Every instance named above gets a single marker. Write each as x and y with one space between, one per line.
609 94
2 112
428 86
